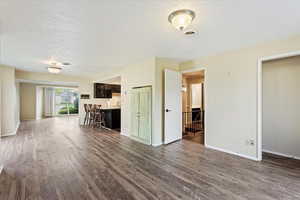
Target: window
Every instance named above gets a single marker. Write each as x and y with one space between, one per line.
196 95
66 101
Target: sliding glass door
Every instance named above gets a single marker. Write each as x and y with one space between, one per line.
66 101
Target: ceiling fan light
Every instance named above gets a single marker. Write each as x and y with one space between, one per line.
181 19
54 70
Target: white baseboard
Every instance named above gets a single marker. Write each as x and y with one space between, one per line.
231 152
157 144
124 134
281 154
139 140
11 133
28 119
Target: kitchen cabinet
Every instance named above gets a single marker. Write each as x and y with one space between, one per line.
115 88
102 90
112 118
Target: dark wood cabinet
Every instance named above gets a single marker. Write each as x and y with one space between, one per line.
116 88
102 90
112 118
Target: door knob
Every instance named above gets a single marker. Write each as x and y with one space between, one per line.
167 110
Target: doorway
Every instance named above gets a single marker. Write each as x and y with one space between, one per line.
280 107
193 106
56 101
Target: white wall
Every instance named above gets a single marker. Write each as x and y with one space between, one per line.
9 101
281 106
231 95
135 75
149 72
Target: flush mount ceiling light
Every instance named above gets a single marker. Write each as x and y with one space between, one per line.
181 19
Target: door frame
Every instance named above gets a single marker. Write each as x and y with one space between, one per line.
63 87
260 95
195 69
37 100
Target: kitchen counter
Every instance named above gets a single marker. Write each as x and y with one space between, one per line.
112 118
111 108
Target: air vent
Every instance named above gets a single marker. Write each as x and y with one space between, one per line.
190 32
66 63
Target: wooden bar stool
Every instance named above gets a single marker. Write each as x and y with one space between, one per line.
87 114
92 114
99 117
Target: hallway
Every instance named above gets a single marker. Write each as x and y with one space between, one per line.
56 159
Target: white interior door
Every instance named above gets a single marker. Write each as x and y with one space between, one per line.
173 107
135 113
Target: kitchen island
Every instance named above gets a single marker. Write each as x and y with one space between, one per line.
112 118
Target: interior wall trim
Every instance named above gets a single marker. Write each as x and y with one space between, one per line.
125 134
29 119
281 154
231 152
157 144
11 133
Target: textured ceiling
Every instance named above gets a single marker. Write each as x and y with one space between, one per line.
98 35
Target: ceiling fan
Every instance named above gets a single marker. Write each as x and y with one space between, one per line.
56 67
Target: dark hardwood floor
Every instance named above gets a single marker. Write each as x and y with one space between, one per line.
57 159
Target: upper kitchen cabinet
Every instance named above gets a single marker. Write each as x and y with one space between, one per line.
116 88
102 90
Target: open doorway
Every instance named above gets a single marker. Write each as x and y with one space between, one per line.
280 108
52 101
105 108
193 106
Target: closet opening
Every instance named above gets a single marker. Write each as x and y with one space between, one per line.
193 106
280 109
141 114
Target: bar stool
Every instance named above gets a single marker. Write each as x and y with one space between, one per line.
99 117
92 114
87 114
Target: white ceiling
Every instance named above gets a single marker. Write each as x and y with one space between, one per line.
99 35
113 80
